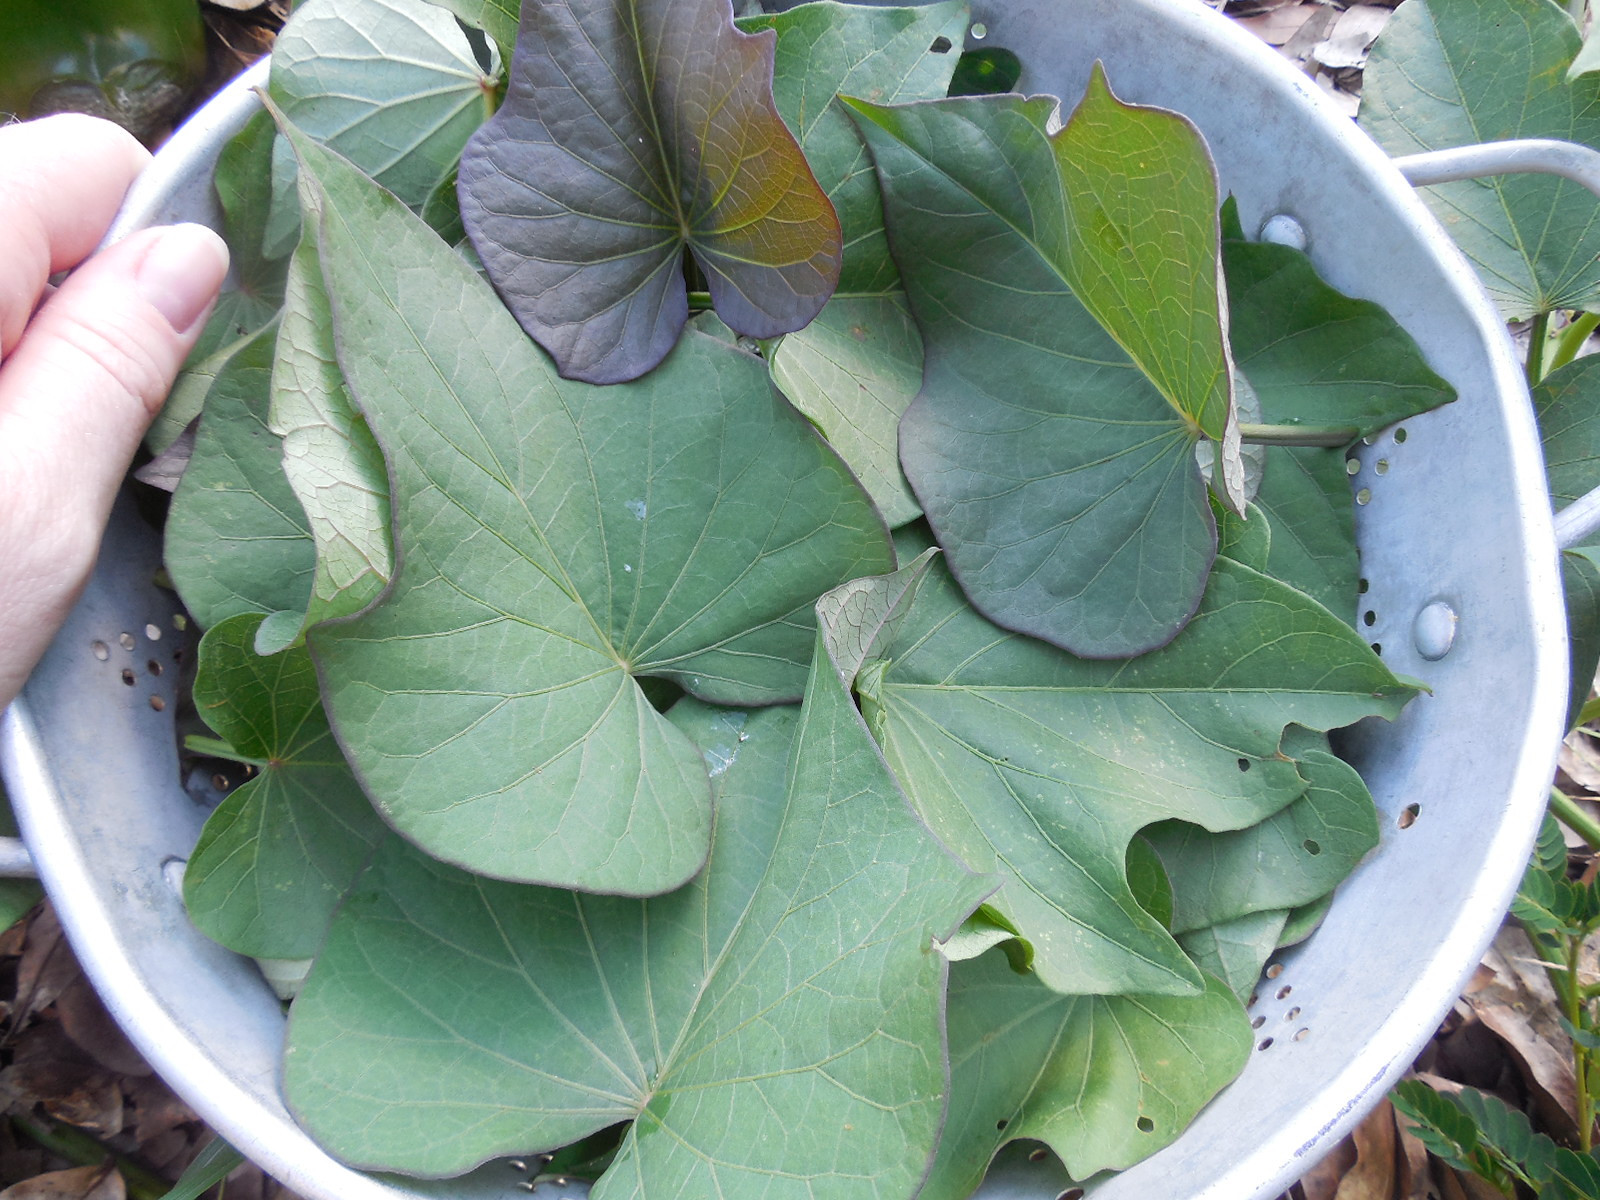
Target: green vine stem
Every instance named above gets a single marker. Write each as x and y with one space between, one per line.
699 300
1538 336
1572 339
1297 435
78 1147
1569 813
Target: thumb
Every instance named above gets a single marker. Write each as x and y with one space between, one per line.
83 384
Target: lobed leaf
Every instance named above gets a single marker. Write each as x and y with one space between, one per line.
1235 951
1041 767
774 1028
277 854
1104 1081
555 541
631 130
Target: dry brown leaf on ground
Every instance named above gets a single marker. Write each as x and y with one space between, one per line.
46 968
1321 1182
85 1020
80 1183
1278 25
1352 36
1519 1006
1376 1173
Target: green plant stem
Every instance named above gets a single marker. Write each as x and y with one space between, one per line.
699 300
217 748
1567 811
1571 993
1538 336
1297 435
78 1147
1572 339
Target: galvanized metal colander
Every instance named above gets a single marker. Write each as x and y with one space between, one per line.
1460 577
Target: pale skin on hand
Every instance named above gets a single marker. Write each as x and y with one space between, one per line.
83 367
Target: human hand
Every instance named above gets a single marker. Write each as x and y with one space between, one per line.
83 373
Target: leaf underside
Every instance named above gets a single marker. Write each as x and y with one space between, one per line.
631 130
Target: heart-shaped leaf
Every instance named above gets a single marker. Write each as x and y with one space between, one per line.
280 850
631 130
554 541
1467 71
236 540
1104 1081
855 368
779 1018
1059 478
1041 767
1235 951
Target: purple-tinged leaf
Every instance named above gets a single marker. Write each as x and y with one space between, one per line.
634 128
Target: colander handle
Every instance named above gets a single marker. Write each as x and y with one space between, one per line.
1543 156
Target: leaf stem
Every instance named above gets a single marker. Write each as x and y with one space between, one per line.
1573 337
699 300
78 1147
1538 336
217 748
1570 813
1298 435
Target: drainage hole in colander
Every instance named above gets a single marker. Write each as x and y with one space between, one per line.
153 632
1369 617
1361 586
1071 1194
125 640
153 667
1300 1035
1273 971
1292 1013
979 31
1377 648
172 872
127 676
1408 816
1383 466
100 650
1312 846
180 622
1251 1003
1283 992
157 703
1364 496
1266 1044
1352 466
1146 1125
1400 434
1258 1023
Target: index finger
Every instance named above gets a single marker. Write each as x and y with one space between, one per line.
62 180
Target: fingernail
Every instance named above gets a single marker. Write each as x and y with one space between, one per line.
181 272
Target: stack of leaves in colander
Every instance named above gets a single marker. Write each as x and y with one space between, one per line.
627 786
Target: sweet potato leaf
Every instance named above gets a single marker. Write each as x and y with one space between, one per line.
855 367
554 541
1059 478
1468 71
280 850
236 538
1235 951
1041 766
772 1029
1103 1081
631 130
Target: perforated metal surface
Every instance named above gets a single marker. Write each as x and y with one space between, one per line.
1456 546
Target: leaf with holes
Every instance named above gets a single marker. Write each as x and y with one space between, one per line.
1104 1081
1291 858
1071 311
236 539
1468 71
855 367
633 130
555 541
280 850
777 1019
1041 767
